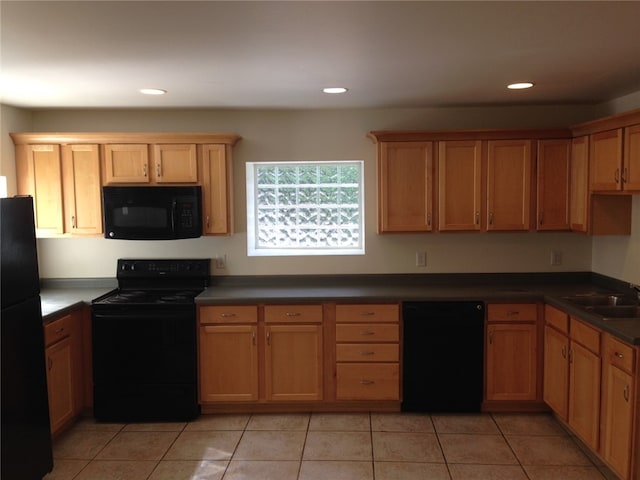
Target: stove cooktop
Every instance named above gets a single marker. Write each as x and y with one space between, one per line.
148 297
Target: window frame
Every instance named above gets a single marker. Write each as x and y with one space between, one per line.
254 250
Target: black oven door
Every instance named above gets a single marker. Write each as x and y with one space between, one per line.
144 365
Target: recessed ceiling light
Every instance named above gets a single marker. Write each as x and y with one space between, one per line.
153 91
334 90
520 85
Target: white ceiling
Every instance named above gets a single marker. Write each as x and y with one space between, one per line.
268 54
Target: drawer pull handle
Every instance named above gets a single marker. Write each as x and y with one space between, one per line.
619 355
293 314
367 314
144 170
513 312
253 338
60 330
228 315
367 352
367 382
367 332
564 352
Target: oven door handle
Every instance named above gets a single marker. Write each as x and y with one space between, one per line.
136 315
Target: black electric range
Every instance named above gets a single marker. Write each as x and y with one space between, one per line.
144 341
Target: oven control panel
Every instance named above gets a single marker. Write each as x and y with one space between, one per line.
178 268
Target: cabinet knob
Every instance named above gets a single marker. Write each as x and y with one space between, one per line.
618 355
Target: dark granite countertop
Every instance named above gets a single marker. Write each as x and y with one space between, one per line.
548 288
59 296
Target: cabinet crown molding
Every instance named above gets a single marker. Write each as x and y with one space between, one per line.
482 134
123 137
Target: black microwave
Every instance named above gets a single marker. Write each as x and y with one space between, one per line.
152 213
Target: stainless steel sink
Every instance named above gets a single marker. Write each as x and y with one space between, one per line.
618 311
600 300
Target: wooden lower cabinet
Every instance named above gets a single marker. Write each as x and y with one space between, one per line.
512 352
228 363
256 353
318 357
65 367
584 394
593 388
368 352
60 384
619 405
556 371
293 362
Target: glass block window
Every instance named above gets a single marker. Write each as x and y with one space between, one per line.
305 208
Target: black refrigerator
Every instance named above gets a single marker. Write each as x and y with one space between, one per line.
26 436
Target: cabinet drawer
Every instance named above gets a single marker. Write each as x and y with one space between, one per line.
370 381
556 318
229 314
377 332
367 313
57 330
293 314
619 354
585 335
512 312
367 352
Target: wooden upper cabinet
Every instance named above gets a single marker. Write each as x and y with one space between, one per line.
175 163
605 162
553 184
217 189
509 185
39 174
405 187
126 163
459 168
631 163
81 189
579 184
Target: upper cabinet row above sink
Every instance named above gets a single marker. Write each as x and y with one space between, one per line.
510 180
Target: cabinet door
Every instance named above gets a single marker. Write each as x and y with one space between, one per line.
217 187
553 184
39 174
82 189
617 418
293 362
511 362
459 185
175 163
228 363
405 187
584 394
605 161
126 163
631 166
556 371
579 184
508 185
60 383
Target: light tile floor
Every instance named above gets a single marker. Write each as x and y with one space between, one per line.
324 446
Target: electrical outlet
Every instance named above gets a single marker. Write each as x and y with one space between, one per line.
220 262
421 259
556 258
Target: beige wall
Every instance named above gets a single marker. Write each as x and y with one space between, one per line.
329 135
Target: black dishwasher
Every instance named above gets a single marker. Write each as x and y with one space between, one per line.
443 354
